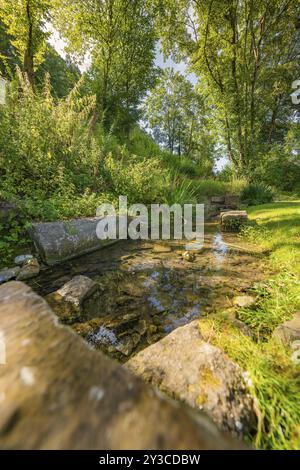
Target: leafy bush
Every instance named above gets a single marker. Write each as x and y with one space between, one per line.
280 166
257 193
46 145
54 166
140 143
186 166
141 180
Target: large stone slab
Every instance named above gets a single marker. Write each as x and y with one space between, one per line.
63 240
58 393
195 372
232 221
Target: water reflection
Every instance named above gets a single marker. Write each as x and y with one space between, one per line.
219 248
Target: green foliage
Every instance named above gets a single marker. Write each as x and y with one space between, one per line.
276 299
257 193
45 145
206 188
277 231
25 23
63 73
8 54
245 56
121 39
50 160
13 238
142 144
141 180
177 116
228 173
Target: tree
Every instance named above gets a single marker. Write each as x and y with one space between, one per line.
176 115
246 55
119 35
25 21
64 74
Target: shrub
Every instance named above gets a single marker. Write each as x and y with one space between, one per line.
46 145
140 143
141 180
257 193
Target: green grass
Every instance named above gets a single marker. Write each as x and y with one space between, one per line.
278 232
275 383
275 379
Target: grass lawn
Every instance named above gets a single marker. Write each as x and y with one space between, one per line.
275 378
279 231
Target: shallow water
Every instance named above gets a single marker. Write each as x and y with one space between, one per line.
148 289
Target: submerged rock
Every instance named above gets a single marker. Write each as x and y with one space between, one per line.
22 259
30 269
78 297
290 330
8 274
159 248
191 370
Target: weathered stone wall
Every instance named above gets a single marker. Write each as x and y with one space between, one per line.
57 393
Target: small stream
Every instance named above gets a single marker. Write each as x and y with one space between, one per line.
148 289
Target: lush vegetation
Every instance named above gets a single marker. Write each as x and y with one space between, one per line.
105 120
275 378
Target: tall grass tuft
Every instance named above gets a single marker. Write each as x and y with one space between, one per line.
257 193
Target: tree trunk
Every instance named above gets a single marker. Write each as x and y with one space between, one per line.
28 55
